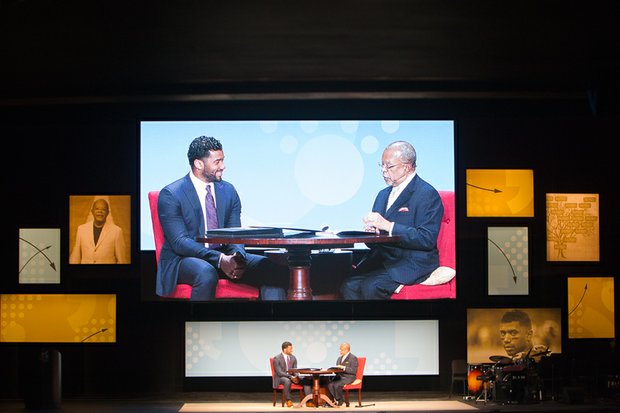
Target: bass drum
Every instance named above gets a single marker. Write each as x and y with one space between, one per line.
473 384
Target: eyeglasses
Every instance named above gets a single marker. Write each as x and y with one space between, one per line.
388 167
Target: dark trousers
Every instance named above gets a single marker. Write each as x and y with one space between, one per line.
335 386
373 285
286 383
261 272
369 280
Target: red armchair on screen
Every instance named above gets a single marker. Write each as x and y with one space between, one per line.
447 260
225 288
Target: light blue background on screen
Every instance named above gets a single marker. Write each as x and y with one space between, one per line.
243 348
302 174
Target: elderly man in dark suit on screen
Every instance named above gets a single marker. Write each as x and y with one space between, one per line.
410 208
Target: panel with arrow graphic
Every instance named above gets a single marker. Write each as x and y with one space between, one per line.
590 307
508 261
39 255
500 192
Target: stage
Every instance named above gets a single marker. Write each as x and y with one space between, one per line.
383 406
372 402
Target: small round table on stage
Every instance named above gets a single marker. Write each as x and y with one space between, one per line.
316 385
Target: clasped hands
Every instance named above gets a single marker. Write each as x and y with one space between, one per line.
374 222
233 265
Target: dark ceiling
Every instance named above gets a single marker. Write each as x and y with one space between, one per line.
112 50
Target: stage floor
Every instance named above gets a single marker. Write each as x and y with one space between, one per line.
373 402
384 406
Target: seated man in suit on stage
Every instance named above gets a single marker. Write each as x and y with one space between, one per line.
283 362
348 362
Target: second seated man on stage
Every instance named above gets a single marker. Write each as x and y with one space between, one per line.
347 361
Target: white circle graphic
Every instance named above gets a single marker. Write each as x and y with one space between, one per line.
390 126
329 170
316 352
370 144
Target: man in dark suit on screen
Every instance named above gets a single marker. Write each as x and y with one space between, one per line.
409 208
199 201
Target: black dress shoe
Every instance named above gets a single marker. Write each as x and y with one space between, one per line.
339 402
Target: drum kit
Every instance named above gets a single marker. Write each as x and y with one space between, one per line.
506 380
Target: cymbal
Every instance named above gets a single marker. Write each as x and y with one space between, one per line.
501 359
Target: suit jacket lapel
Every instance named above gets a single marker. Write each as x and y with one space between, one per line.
192 198
220 199
403 198
383 198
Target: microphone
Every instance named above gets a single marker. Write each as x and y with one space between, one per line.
388 178
94 334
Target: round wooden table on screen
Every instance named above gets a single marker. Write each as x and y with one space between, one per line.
316 395
300 253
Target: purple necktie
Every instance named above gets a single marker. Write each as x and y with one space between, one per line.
211 213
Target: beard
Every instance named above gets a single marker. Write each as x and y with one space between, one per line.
212 177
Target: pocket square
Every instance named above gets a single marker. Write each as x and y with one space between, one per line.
403 209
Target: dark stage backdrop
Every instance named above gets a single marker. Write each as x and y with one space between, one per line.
68 150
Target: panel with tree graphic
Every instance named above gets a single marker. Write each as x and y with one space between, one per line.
572 227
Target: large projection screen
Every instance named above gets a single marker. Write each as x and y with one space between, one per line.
295 173
243 348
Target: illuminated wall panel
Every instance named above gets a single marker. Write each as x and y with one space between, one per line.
57 318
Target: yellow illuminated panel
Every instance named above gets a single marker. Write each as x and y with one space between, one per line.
114 243
500 192
537 332
591 307
572 227
57 318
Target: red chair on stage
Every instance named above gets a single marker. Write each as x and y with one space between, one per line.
357 383
280 387
225 288
442 282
